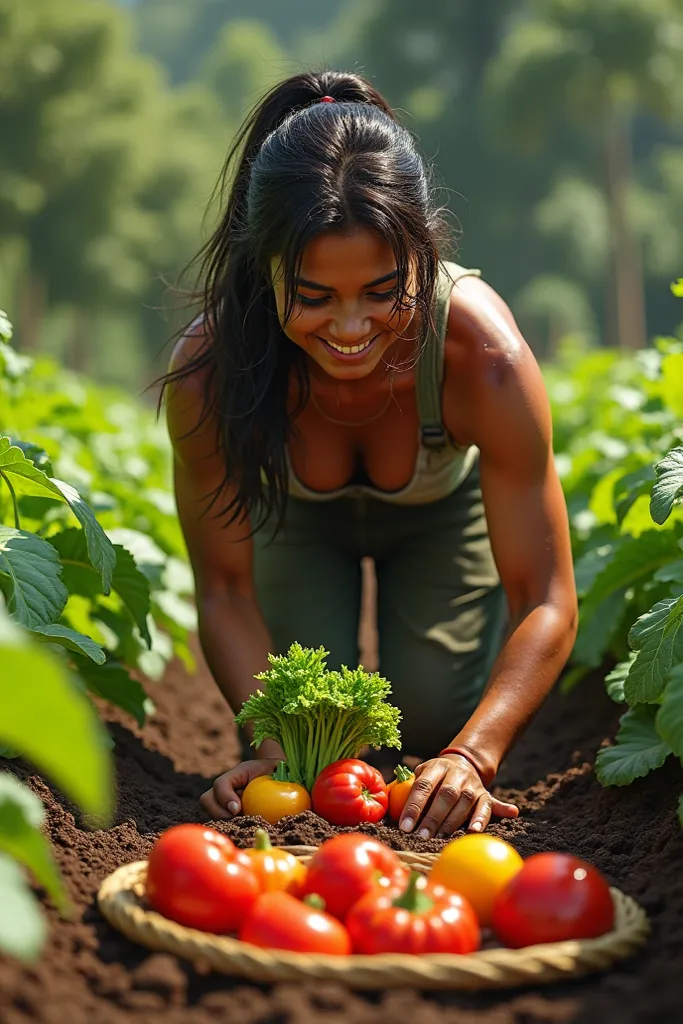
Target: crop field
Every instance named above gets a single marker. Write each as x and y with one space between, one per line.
102 682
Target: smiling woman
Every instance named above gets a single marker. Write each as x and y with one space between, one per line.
347 392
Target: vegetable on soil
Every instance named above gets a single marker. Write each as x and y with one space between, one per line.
274 796
349 792
318 716
399 790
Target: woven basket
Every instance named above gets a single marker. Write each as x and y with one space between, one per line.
121 900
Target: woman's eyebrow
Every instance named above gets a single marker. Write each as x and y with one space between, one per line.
325 288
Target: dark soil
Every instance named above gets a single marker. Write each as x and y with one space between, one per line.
89 974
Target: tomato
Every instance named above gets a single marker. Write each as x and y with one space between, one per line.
273 796
554 897
274 868
478 867
279 921
347 867
399 789
421 918
348 792
197 877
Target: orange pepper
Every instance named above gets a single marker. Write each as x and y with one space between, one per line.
276 870
275 796
399 790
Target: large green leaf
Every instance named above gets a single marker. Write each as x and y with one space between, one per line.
597 624
72 640
113 682
30 577
590 565
26 477
634 562
22 928
21 815
669 486
657 636
80 576
637 749
614 680
628 488
100 548
51 723
670 715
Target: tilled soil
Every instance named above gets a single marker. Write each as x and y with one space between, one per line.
89 974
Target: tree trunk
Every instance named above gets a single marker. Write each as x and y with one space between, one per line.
626 272
31 311
80 348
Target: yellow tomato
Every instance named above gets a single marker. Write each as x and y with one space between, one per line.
273 799
275 869
478 867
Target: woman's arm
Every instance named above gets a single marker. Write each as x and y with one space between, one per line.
499 403
232 632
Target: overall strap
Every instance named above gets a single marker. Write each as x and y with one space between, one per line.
429 370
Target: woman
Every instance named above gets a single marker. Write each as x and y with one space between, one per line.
348 391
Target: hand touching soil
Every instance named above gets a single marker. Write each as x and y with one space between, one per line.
456 793
223 799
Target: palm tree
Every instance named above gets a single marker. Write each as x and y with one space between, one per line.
599 63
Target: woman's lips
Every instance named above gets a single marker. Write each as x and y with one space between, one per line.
349 353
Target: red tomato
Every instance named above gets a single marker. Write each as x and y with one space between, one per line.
348 792
553 897
198 877
347 867
280 921
423 918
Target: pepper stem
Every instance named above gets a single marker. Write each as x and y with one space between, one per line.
314 900
403 773
281 773
411 898
262 840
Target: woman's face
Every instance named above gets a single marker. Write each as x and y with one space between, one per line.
344 316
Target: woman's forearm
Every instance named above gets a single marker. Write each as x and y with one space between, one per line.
235 643
522 676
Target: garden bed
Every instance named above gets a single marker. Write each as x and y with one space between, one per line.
89 974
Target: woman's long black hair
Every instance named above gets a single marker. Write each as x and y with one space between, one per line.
304 167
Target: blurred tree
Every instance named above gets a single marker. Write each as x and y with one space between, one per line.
105 168
243 63
600 63
181 33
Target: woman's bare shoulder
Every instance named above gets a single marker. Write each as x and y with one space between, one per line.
194 342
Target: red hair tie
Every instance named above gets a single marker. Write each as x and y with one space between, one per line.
327 99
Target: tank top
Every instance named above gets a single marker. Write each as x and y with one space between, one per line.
441 464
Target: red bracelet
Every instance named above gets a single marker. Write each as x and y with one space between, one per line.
468 757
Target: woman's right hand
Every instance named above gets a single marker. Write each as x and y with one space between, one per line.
223 799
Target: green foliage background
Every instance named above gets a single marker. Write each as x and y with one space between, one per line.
556 127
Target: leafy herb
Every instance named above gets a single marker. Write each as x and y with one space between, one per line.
318 716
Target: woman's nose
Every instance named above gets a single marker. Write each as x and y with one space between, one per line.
349 329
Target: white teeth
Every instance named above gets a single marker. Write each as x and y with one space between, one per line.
349 350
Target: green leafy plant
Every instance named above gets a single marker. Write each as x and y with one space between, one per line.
318 716
619 434
49 720
93 595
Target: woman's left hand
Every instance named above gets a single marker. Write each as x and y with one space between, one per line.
455 793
